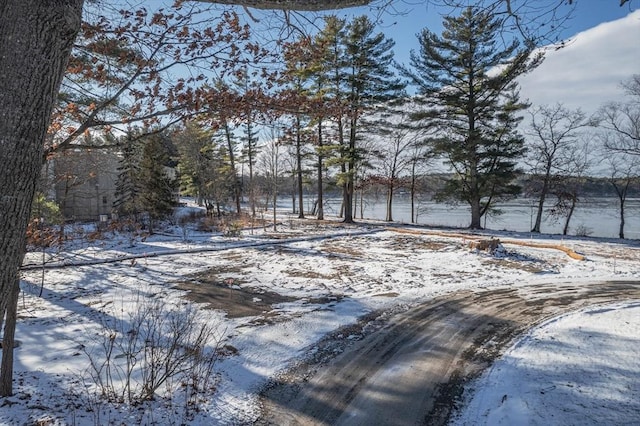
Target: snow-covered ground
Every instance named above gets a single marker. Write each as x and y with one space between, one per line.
577 369
331 275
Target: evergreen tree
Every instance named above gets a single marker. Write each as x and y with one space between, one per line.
145 183
249 113
469 90
230 141
250 155
128 189
370 81
328 73
222 118
193 143
221 182
157 197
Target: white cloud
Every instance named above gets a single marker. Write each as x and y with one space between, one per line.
588 71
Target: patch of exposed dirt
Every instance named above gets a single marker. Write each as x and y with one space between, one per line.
233 299
412 367
238 300
229 294
403 242
389 294
306 273
526 266
341 249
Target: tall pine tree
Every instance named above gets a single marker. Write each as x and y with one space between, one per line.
329 85
370 81
144 183
158 185
127 184
468 85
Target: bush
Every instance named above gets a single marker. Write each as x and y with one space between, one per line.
41 235
155 347
583 231
45 217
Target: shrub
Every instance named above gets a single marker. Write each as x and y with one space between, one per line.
155 347
583 231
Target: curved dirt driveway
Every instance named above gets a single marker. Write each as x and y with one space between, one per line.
411 370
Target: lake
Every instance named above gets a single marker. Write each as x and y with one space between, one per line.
599 216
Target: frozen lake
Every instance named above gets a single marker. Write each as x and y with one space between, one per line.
599 216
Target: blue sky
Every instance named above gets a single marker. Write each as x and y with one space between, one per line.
603 49
414 15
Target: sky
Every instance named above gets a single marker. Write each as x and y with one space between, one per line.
588 71
409 17
601 49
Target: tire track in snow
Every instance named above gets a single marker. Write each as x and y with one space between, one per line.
413 369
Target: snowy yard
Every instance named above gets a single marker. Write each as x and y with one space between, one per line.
268 297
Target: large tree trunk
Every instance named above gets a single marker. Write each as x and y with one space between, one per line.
8 341
474 196
348 197
351 174
475 216
35 42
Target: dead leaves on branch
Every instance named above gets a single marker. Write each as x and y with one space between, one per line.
124 67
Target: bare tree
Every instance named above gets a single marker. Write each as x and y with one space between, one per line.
621 120
568 184
624 171
553 134
394 148
619 132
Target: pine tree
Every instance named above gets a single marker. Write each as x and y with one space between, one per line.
193 143
250 155
158 187
236 183
370 81
144 183
469 90
127 184
247 91
309 61
329 78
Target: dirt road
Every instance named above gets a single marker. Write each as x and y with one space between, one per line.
412 368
